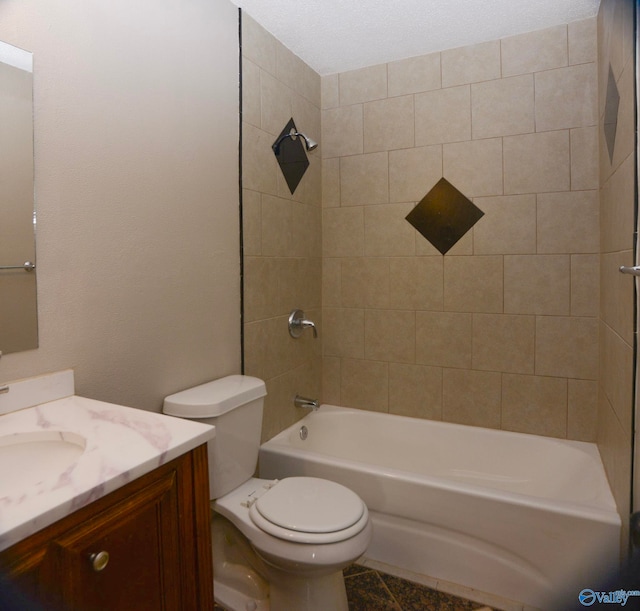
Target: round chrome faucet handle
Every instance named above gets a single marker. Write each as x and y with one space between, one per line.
298 323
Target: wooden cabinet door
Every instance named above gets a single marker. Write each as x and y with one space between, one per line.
156 531
126 556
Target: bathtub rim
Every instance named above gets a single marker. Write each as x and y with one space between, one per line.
606 515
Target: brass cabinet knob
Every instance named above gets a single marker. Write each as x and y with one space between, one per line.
99 561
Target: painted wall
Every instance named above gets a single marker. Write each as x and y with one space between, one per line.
617 202
502 331
136 148
282 231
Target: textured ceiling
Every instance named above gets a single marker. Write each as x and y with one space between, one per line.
338 35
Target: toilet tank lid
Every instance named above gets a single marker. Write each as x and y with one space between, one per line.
214 398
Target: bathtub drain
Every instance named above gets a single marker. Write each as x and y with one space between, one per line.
303 432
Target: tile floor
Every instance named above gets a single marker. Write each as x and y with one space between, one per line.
372 590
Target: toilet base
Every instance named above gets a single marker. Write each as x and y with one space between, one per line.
317 594
244 581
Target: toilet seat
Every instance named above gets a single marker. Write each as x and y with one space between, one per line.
308 510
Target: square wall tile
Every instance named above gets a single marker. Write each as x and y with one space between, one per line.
365 282
298 76
251 106
535 405
365 385
258 45
390 336
503 107
585 285
260 169
617 294
343 232
255 341
567 347
583 41
414 75
473 284
566 97
472 397
275 104
616 208
331 282
415 391
364 179
471 64
443 339
331 182
537 284
582 410
276 226
475 167
412 171
363 85
330 91
535 51
568 222
389 124
537 163
343 331
387 234
331 380
584 158
416 283
262 282
443 115
503 343
616 376
342 131
615 446
251 223
507 227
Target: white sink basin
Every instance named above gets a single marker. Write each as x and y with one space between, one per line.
29 459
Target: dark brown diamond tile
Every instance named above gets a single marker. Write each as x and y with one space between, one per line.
444 215
611 113
291 156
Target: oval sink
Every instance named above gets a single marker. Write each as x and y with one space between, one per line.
28 459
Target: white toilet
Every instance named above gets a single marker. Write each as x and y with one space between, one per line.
277 544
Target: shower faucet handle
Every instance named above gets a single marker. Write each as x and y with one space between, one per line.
298 323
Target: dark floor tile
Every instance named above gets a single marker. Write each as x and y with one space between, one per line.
416 597
355 569
367 592
371 590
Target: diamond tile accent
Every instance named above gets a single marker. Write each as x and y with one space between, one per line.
611 113
444 215
291 156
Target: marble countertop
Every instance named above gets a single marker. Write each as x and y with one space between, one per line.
121 444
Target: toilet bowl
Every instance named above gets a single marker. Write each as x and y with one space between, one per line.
277 544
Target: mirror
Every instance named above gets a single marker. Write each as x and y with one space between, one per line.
18 307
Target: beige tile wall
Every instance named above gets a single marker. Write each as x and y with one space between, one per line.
503 330
617 194
281 232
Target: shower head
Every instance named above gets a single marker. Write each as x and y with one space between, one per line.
309 143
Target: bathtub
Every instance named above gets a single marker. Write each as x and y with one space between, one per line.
523 517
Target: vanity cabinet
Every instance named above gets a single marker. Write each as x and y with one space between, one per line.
145 546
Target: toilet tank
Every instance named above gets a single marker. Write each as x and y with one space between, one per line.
234 406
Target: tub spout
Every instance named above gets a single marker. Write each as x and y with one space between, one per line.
306 403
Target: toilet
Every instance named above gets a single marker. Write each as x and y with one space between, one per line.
277 544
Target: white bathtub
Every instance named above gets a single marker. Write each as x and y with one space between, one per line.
524 517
